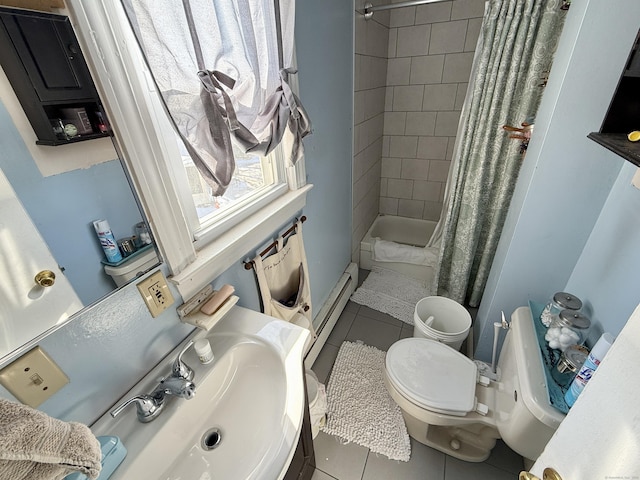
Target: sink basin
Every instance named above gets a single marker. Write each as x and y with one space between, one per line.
245 419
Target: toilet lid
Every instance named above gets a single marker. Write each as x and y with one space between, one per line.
432 375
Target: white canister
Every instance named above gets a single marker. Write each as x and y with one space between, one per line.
203 350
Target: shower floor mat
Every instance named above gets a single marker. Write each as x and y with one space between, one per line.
359 408
391 292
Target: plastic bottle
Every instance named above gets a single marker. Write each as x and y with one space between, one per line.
203 349
107 240
101 124
596 355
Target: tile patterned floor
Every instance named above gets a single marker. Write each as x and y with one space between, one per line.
335 461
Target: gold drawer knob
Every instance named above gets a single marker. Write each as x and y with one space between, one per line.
45 278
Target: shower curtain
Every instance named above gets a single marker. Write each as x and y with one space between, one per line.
513 55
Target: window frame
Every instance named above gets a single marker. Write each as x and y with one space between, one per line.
126 92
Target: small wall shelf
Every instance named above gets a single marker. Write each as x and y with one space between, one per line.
618 143
623 115
54 142
42 59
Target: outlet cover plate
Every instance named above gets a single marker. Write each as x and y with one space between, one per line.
33 377
156 293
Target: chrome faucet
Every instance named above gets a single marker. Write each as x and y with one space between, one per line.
180 369
178 384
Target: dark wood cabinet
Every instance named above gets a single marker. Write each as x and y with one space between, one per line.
303 463
42 59
623 115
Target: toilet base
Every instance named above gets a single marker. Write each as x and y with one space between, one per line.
473 443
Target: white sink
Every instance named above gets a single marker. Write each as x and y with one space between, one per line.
252 393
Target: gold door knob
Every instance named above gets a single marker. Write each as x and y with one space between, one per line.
547 474
45 278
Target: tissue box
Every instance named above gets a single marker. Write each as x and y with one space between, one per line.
113 453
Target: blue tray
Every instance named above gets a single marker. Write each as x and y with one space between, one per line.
113 453
550 357
128 257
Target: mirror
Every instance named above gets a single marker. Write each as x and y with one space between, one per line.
62 207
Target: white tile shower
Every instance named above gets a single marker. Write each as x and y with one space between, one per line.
412 69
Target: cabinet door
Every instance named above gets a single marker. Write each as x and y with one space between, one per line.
51 56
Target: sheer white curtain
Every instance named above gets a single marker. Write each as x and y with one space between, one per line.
222 69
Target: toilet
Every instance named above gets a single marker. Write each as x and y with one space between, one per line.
132 267
448 405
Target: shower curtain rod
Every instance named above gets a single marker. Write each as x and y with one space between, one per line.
369 8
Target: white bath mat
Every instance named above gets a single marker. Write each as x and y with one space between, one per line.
391 292
359 408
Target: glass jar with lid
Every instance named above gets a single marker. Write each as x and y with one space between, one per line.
560 301
143 237
569 328
569 363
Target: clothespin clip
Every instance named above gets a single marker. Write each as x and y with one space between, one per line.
520 133
545 79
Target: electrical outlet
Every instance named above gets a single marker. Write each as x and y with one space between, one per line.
156 294
33 377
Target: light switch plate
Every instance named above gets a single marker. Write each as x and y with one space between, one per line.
156 294
33 377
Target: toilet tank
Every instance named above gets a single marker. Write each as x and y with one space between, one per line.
132 267
525 419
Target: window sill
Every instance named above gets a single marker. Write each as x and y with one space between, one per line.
228 248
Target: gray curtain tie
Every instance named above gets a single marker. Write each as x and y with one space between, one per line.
211 83
288 93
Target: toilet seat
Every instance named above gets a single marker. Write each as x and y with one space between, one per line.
433 375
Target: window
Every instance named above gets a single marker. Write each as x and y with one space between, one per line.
253 175
197 241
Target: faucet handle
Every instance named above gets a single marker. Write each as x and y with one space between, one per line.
147 407
180 387
181 369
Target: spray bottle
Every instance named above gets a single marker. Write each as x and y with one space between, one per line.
596 355
107 240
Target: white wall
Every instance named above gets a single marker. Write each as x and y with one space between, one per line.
565 178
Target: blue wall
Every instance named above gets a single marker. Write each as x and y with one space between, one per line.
109 347
606 275
64 206
565 178
325 59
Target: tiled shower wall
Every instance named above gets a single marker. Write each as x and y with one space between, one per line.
430 54
371 45
412 68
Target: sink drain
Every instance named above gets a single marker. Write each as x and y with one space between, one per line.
211 439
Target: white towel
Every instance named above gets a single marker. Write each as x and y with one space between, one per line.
386 251
35 446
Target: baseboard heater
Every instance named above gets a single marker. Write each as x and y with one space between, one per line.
330 312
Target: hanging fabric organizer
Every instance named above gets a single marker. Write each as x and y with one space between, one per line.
283 280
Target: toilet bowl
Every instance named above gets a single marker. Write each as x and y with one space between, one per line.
449 406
